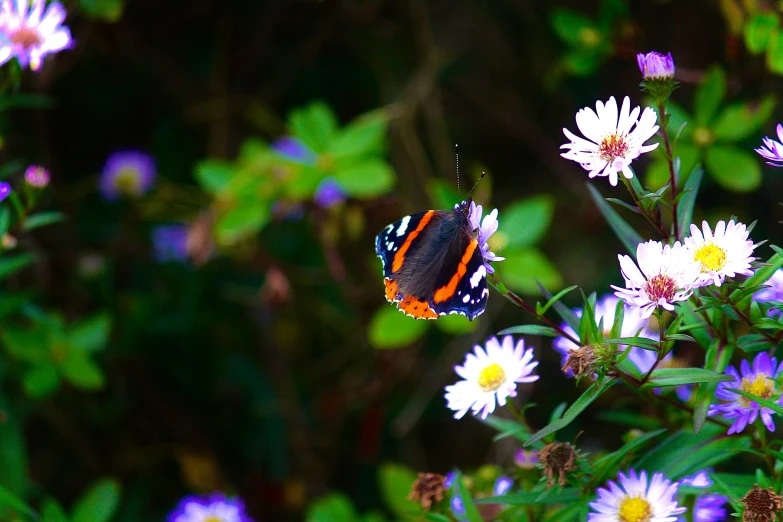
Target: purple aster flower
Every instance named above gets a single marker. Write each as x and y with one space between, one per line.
30 32
656 66
214 508
759 381
458 508
294 150
684 392
633 498
450 476
772 151
710 508
5 190
170 243
774 293
329 193
128 172
502 485
485 227
700 479
37 176
526 459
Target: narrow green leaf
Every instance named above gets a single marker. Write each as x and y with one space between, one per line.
642 342
42 219
557 298
531 329
565 313
627 235
688 201
607 465
567 495
99 503
663 377
10 501
14 263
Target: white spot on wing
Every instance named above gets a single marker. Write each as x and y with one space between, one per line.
403 225
466 298
477 276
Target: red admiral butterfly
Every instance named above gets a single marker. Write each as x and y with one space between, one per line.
433 264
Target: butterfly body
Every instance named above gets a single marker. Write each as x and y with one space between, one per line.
433 265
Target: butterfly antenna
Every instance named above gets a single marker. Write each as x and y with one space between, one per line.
456 153
477 182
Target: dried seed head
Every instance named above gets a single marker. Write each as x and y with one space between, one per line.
761 505
580 361
428 488
557 458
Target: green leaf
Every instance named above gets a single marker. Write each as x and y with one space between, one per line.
108 10
642 342
567 495
366 179
91 334
455 324
10 501
467 500
627 235
531 329
569 26
390 328
607 465
509 428
395 481
13 453
27 345
14 263
42 219
688 200
775 52
663 377
41 380
315 125
52 511
525 222
759 30
741 120
752 343
734 169
99 503
335 507
709 96
78 369
557 297
365 135
241 221
591 394
524 268
214 175
777 408
707 455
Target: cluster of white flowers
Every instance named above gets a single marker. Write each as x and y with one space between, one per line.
667 274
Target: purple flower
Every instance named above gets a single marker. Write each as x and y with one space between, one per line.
502 486
656 66
127 172
709 508
700 479
215 507
37 176
633 498
759 381
458 508
772 151
772 294
5 190
170 243
30 35
526 459
294 150
329 193
450 476
486 227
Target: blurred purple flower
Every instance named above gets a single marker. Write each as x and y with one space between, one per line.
170 243
526 459
5 190
458 508
450 476
329 193
656 66
37 176
502 485
706 508
772 294
760 380
30 33
700 479
215 507
772 151
293 149
127 172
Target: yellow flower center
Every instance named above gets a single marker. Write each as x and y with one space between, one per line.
128 181
711 258
613 146
660 287
26 37
213 518
491 377
761 386
635 509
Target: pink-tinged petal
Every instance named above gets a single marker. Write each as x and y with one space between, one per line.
779 129
54 16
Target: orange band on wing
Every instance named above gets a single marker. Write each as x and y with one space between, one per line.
446 291
392 290
399 257
416 308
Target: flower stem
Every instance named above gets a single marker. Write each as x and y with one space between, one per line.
670 160
649 217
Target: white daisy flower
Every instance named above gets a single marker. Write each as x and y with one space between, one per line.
490 375
611 144
633 500
725 253
667 276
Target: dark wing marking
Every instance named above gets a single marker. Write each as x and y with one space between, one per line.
465 294
394 241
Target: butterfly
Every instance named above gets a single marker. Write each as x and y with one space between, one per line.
433 264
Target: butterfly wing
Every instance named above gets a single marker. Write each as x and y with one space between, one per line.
462 284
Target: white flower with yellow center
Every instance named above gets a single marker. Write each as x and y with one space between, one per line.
632 500
724 253
665 275
490 376
612 143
